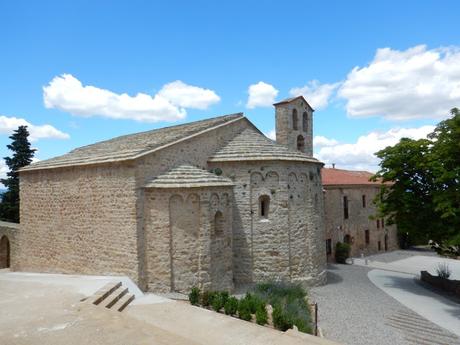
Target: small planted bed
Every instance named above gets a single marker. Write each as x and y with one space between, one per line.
275 304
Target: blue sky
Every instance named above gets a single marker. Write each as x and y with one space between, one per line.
373 71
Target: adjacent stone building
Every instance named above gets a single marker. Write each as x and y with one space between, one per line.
350 214
212 203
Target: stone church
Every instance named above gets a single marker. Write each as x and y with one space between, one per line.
212 203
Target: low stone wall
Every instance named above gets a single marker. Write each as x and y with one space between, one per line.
8 243
448 285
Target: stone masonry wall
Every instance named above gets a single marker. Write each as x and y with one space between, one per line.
287 244
182 250
358 221
79 220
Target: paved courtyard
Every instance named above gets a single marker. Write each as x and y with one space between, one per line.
354 310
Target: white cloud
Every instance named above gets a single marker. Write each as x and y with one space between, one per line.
9 124
402 85
271 134
316 94
320 141
188 96
360 155
261 95
68 94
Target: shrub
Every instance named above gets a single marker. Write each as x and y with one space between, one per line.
261 315
231 306
194 296
206 298
280 319
443 270
217 301
244 310
342 252
254 302
225 296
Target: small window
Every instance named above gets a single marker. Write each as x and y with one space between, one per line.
367 236
364 201
383 223
378 223
300 143
345 207
328 246
264 205
305 121
379 245
295 120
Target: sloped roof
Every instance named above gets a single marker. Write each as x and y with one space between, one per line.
252 145
132 146
290 99
188 176
346 177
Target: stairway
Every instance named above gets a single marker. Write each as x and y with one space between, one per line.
113 296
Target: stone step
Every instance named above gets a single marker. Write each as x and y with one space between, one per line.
123 302
420 327
427 340
115 296
103 292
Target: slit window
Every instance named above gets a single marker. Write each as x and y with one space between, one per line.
329 246
264 206
364 201
367 236
295 120
345 207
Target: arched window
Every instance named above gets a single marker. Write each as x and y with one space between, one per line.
295 120
264 206
300 143
218 223
305 121
4 252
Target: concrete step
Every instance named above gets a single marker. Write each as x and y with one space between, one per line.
103 292
114 296
123 302
421 327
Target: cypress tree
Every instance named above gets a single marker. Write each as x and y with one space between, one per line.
22 156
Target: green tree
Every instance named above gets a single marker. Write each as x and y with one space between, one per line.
22 156
421 179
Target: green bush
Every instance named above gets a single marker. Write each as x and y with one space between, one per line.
261 315
231 306
207 298
244 310
281 321
217 301
194 296
342 252
225 296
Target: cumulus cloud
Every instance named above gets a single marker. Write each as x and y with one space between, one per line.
320 141
316 94
404 85
188 96
9 124
360 155
261 95
68 94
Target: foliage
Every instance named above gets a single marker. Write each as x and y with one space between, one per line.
22 156
206 298
194 296
443 270
447 248
244 309
231 306
342 252
261 315
420 189
218 301
290 305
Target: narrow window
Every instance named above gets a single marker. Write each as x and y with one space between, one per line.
345 207
366 235
383 223
364 201
379 245
378 223
305 121
328 246
264 205
300 143
219 223
295 120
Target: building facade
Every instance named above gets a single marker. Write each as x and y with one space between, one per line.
212 203
350 214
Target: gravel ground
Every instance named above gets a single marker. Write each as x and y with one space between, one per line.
354 311
399 255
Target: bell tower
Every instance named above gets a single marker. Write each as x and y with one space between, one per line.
294 124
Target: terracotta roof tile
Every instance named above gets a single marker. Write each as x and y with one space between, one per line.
346 177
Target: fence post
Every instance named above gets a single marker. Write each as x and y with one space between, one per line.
316 319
